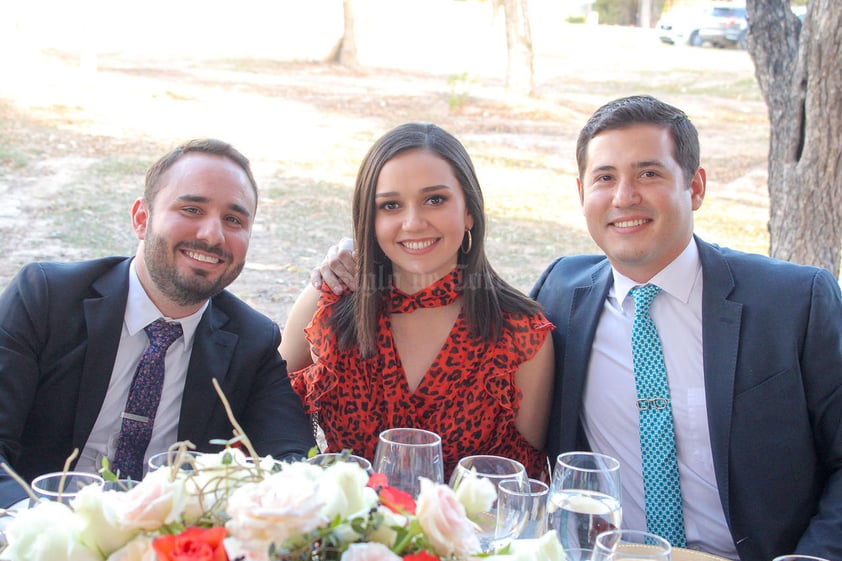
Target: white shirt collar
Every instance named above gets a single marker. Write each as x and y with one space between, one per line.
140 311
672 279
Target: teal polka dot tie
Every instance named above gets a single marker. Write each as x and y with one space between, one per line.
661 482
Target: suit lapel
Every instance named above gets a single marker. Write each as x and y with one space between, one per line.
103 319
585 309
213 349
721 339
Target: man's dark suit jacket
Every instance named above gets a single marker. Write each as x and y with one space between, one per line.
772 338
60 326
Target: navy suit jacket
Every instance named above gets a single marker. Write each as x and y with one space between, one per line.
60 326
772 338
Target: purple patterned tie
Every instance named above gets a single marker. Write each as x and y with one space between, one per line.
142 403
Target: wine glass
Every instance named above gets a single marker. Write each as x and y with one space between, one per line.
62 486
584 498
405 454
492 531
798 557
525 508
630 545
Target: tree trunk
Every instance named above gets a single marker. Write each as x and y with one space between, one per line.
799 69
519 71
345 52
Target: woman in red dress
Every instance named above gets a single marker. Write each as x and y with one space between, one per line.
432 337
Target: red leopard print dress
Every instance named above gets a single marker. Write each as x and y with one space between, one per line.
468 395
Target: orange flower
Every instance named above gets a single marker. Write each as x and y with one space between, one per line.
421 556
395 500
193 544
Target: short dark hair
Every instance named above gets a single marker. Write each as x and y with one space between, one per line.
643 109
201 145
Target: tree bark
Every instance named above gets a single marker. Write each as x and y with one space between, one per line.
799 69
519 70
345 52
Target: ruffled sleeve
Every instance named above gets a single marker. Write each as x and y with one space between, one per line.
519 343
314 381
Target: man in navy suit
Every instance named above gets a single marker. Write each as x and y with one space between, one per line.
72 335
752 347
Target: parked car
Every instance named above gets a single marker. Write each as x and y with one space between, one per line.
680 26
725 25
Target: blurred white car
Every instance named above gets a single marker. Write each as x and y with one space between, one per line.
680 26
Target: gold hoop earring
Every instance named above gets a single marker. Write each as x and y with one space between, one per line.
470 242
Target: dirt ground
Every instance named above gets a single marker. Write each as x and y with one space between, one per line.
75 142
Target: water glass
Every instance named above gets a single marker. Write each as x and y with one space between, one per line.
630 545
798 557
493 531
331 458
62 486
404 455
584 498
166 459
525 508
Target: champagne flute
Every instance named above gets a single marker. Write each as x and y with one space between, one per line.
493 531
584 498
631 545
405 454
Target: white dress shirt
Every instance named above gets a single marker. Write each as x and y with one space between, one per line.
610 415
140 312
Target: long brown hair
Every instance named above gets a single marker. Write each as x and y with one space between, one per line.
485 295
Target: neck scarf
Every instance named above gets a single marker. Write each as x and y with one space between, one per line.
441 293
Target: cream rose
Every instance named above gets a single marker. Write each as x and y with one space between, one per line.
369 552
139 549
99 514
282 506
545 548
155 501
444 521
475 493
47 532
342 489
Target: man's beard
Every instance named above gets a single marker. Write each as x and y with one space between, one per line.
184 291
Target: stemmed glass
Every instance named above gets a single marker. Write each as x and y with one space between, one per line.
493 531
405 454
630 545
584 498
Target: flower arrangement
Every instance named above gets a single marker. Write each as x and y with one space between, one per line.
232 507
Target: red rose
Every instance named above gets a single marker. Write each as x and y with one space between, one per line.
394 499
421 556
193 544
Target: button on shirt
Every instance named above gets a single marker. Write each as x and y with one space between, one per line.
610 415
140 312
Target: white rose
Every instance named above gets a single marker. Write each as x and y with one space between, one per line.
47 532
545 548
369 552
475 493
139 549
384 533
444 521
99 514
282 506
155 501
342 489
